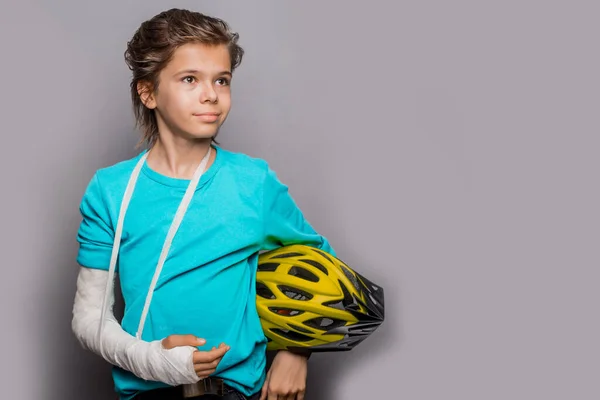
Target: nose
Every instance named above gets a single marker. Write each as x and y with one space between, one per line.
208 94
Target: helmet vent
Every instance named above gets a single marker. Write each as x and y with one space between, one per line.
288 312
291 335
299 328
270 267
288 255
295 294
335 304
351 277
346 303
324 323
373 299
316 264
303 273
324 255
263 291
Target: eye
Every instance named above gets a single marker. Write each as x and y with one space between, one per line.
223 81
189 79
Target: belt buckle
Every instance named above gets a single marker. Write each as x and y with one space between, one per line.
209 385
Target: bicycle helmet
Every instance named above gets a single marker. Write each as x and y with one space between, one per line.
310 300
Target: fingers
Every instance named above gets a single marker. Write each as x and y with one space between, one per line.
206 362
207 366
264 392
205 373
203 357
182 340
274 393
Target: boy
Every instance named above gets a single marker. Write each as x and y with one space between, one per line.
190 313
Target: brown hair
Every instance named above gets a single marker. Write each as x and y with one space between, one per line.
153 45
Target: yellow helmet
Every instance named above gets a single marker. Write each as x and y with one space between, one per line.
310 300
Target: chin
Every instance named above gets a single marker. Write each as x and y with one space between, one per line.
203 134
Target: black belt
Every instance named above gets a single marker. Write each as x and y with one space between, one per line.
210 385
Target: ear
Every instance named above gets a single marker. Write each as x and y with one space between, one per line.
146 93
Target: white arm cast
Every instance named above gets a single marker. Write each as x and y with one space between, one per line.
147 360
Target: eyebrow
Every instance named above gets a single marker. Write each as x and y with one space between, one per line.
195 71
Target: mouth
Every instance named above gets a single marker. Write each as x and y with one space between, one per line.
208 116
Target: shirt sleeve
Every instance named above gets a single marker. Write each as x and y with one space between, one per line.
95 234
284 222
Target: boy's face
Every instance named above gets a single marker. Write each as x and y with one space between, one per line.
193 97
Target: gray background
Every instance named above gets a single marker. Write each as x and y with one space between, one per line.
449 150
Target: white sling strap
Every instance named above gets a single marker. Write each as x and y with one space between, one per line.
166 246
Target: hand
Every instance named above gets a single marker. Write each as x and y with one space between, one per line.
286 379
205 362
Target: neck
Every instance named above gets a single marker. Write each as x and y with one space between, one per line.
178 157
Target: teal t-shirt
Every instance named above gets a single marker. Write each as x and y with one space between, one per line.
207 285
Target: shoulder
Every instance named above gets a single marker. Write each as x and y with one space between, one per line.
111 181
252 175
119 171
245 165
